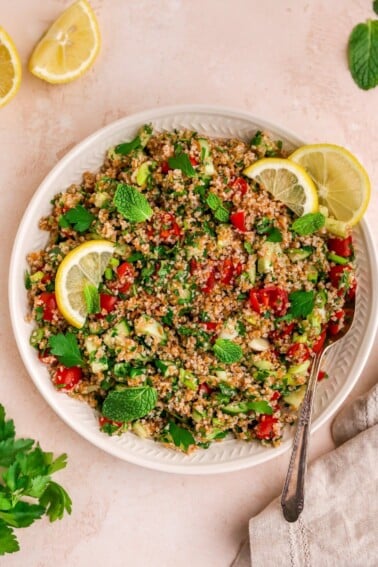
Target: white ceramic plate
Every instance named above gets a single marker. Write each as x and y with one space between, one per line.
344 364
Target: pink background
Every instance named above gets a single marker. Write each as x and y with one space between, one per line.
282 60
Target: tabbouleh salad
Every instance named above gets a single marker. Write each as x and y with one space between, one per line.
213 304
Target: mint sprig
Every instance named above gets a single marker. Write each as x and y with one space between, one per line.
66 348
301 303
129 403
132 204
363 53
78 217
182 162
227 351
219 209
308 224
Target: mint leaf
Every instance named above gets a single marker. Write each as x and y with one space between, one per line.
66 348
181 437
131 203
308 224
227 351
127 147
55 501
79 218
274 235
363 54
182 162
130 403
92 298
301 303
260 407
219 209
222 214
8 541
214 201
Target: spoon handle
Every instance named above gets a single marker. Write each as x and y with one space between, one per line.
292 499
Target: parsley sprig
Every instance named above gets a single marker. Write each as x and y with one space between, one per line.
26 489
78 218
66 348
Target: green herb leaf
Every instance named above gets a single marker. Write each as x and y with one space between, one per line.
168 317
182 162
222 214
214 201
27 280
363 54
79 218
181 437
274 235
8 541
131 203
257 138
92 298
301 303
66 348
219 209
135 256
375 6
130 403
227 351
260 407
55 501
127 147
309 223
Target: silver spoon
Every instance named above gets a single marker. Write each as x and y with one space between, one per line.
292 499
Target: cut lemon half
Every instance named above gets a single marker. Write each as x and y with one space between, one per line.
287 182
342 183
69 47
83 265
10 68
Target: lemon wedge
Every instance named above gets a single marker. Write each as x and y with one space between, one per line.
342 183
69 47
287 182
83 265
10 68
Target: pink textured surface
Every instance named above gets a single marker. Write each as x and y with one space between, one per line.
284 61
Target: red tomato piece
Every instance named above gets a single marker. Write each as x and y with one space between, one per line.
164 167
240 185
210 283
282 334
276 396
107 302
238 220
103 420
278 299
264 429
211 326
322 375
193 265
337 274
67 377
226 269
126 276
258 299
341 246
336 323
170 228
319 343
193 161
204 389
298 352
49 305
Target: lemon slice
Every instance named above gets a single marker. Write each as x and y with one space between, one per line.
10 68
83 265
69 47
287 182
342 182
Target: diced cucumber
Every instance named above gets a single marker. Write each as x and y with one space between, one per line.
321 298
336 227
235 408
312 275
101 198
205 157
295 398
99 365
267 256
251 269
299 369
263 364
91 344
188 379
36 336
148 326
185 294
116 335
297 254
338 259
163 366
198 415
140 430
36 277
221 374
142 173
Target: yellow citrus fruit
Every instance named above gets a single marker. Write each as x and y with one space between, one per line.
287 182
84 265
69 47
10 68
342 183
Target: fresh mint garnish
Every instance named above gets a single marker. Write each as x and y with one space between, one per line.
182 162
301 303
79 218
131 203
181 437
66 348
130 403
308 224
127 147
274 235
363 53
92 298
220 210
227 351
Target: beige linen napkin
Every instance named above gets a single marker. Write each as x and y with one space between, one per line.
339 524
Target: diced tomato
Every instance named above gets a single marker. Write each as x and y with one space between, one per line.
337 275
226 269
170 228
211 326
276 396
210 283
258 299
193 161
278 299
164 167
322 375
239 185
341 246
193 265
298 352
264 429
319 343
67 377
46 279
351 293
107 302
49 305
281 334
336 322
104 420
47 358
238 220
126 276
204 389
